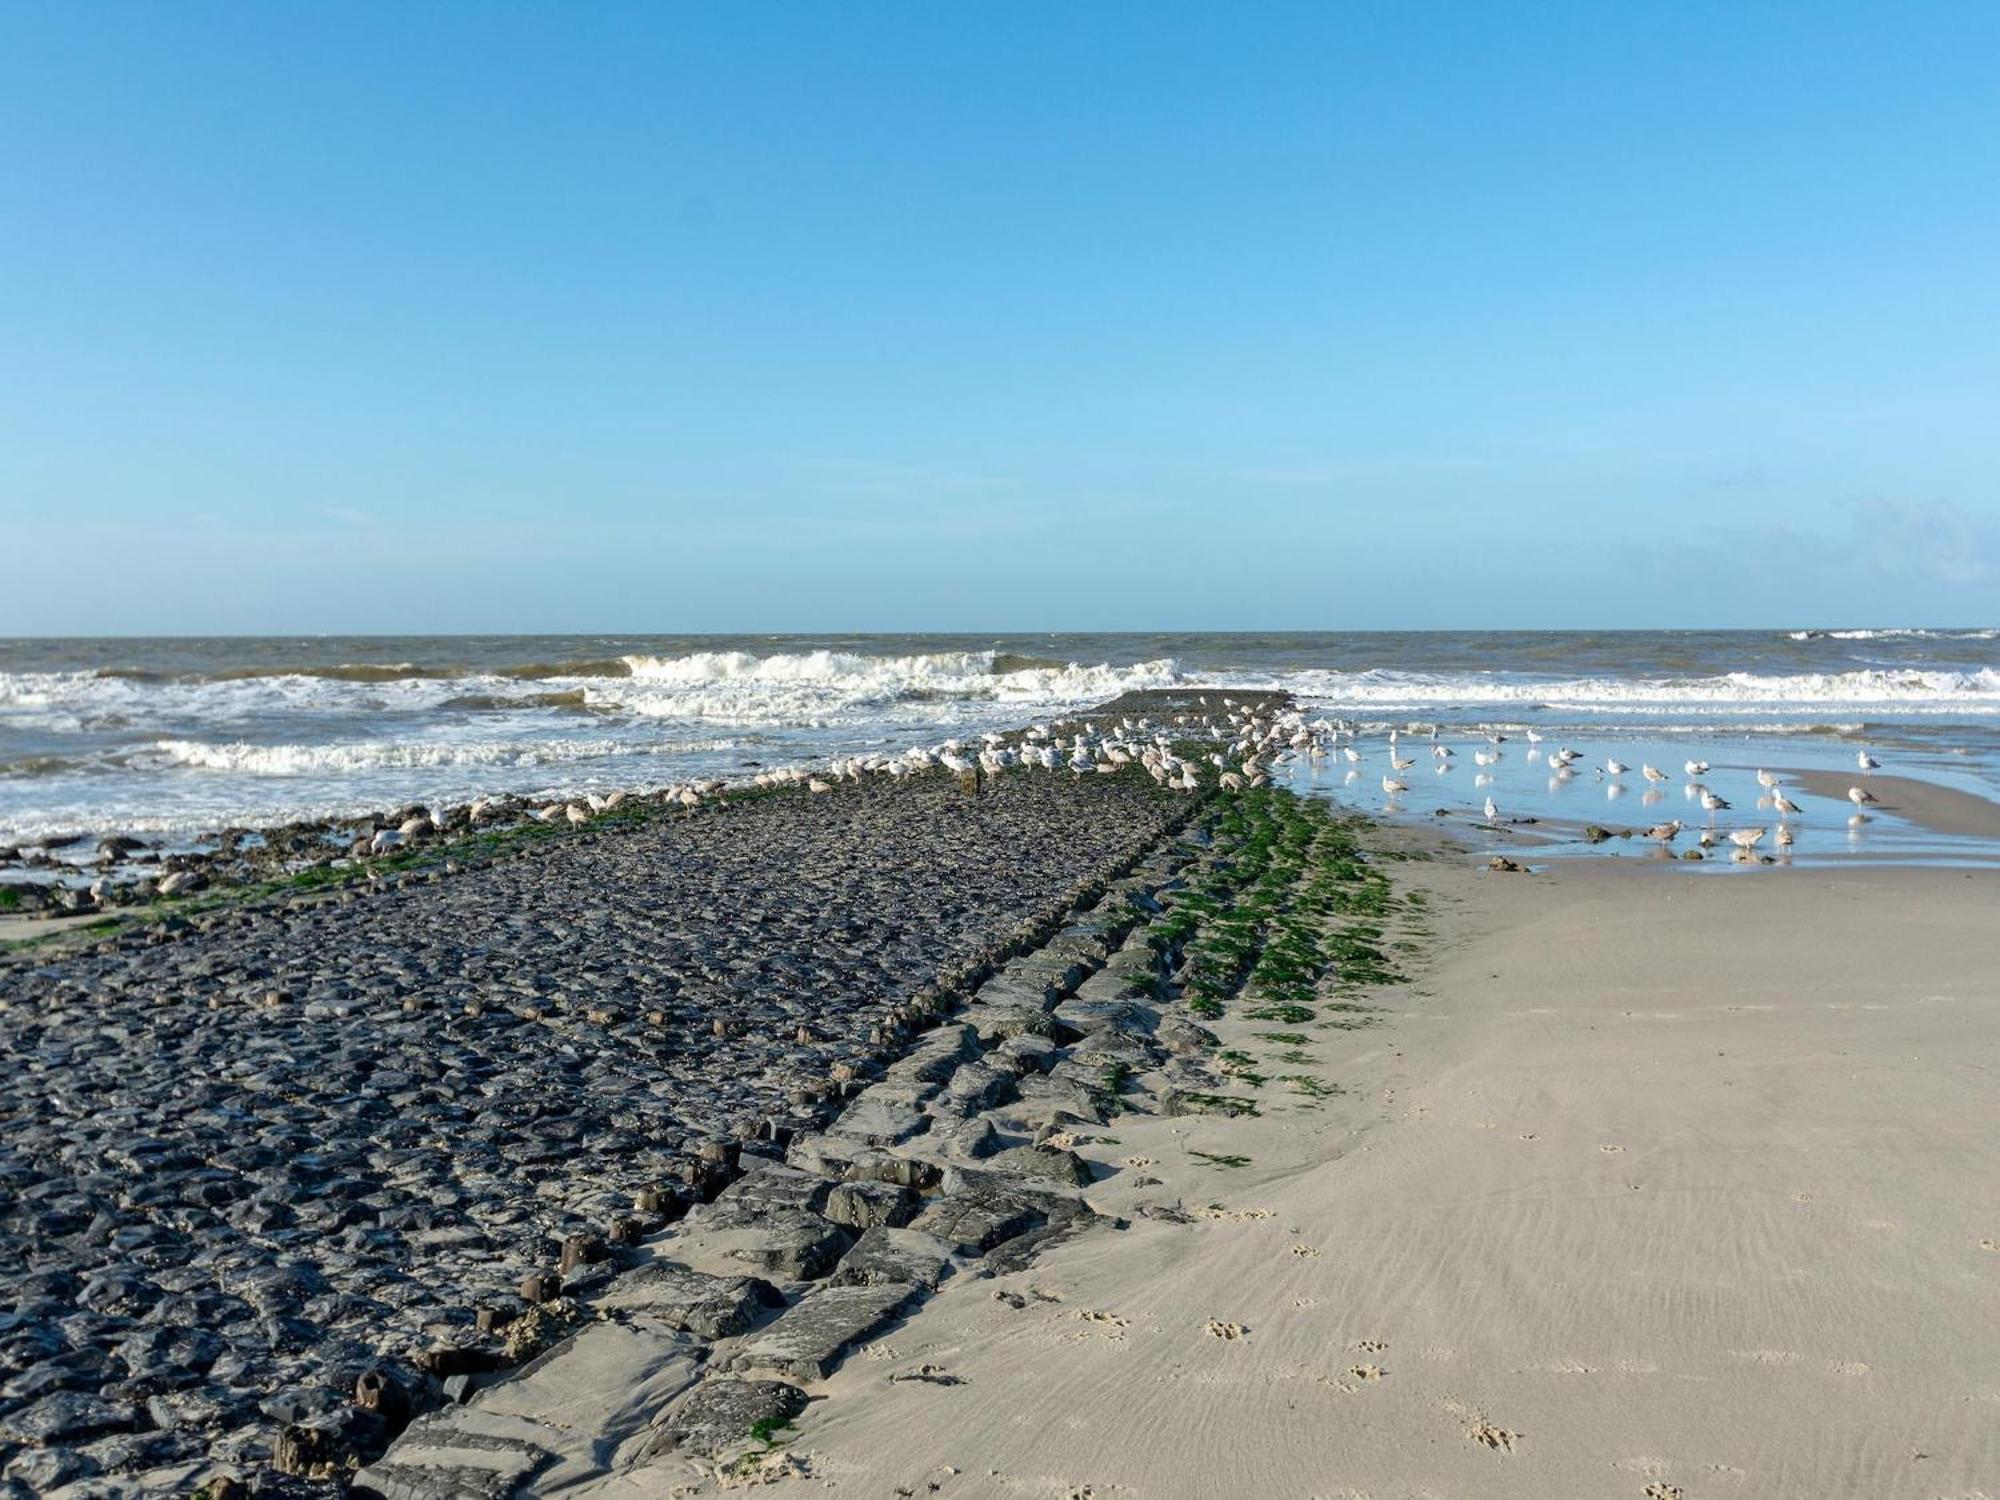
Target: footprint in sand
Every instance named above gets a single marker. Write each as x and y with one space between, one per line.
1499 1439
1102 1319
1993 1245
1138 1161
1662 1491
927 1375
1847 1367
1305 1252
1367 1372
1610 1148
1229 1331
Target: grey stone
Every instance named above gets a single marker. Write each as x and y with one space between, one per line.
811 1338
715 1307
1043 1163
975 1219
864 1205
65 1417
771 1186
721 1412
877 1119
888 1256
788 1243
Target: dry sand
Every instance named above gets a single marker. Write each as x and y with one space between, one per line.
1651 1184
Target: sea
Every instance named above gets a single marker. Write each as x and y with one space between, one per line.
174 738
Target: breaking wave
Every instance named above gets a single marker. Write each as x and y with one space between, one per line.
1976 692
380 755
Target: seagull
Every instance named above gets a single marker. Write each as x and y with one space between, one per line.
1654 773
1766 780
1696 768
1664 832
1616 767
1534 737
1712 802
1492 812
1866 761
1402 764
1860 796
1784 835
1746 838
1393 786
1786 807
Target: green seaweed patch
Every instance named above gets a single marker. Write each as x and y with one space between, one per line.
1221 1159
1220 1104
1284 1015
1311 1087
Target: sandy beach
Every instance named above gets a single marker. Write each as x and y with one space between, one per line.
1647 1186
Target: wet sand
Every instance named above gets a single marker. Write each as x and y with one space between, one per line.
1942 809
1644 1187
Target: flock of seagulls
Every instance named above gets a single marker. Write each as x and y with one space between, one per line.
1320 739
1254 742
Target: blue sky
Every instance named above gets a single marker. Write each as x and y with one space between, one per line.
772 316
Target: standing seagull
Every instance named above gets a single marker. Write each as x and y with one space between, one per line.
1860 796
1786 807
1866 761
1492 812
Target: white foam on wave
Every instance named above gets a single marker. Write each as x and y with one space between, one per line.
1890 691
245 759
816 688
1890 633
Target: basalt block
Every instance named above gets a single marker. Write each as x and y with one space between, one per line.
886 1257
878 1118
1042 1164
809 1341
770 1187
864 1205
713 1307
977 1217
722 1412
788 1243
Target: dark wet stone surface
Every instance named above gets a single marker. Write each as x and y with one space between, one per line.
241 1165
